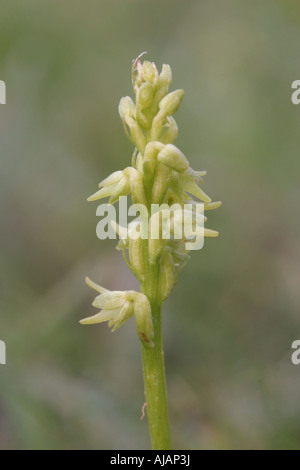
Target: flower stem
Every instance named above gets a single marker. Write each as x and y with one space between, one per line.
154 370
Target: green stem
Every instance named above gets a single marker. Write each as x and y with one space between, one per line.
154 370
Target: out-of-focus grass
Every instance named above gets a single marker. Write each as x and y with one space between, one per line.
231 320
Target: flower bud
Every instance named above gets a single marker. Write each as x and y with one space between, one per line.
142 119
149 72
136 256
173 157
166 275
165 76
126 107
157 126
145 95
152 149
143 319
160 93
148 169
170 103
136 186
160 183
136 133
171 132
156 245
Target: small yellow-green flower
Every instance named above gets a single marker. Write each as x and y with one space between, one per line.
119 306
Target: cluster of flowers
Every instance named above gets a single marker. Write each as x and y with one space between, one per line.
159 174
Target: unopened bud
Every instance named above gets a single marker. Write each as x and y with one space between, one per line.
173 157
172 131
160 184
143 319
148 168
156 245
152 149
136 186
165 76
136 256
126 107
157 126
170 103
142 119
136 132
166 275
149 71
145 95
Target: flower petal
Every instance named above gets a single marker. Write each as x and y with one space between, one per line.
110 300
104 315
95 286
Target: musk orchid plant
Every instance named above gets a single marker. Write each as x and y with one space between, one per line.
159 174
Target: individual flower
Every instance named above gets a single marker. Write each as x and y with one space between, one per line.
118 184
119 306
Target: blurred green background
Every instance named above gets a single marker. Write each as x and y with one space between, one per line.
231 320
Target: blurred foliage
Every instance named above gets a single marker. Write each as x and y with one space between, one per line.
232 318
